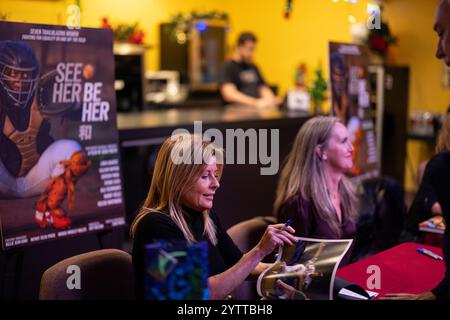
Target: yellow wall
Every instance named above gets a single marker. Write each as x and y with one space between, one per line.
50 12
412 21
283 43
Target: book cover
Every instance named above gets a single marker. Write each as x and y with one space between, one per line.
435 224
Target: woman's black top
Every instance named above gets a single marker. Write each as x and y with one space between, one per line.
155 226
423 202
307 223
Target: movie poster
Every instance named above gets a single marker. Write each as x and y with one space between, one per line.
350 101
59 157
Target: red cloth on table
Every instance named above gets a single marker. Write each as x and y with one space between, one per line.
402 268
432 239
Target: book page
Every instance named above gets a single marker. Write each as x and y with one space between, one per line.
305 270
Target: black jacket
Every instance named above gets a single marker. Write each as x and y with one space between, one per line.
437 173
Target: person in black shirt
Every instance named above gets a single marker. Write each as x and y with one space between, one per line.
241 81
437 172
439 175
178 206
425 204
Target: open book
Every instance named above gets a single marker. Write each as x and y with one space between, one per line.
435 224
306 270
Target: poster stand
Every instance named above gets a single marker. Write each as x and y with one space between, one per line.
100 237
11 269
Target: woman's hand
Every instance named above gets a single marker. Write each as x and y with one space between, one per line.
428 295
436 209
276 235
224 283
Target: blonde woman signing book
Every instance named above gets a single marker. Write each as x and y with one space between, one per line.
178 207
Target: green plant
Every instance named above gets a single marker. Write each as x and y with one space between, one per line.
125 32
319 87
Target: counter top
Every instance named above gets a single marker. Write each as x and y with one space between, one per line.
142 134
186 117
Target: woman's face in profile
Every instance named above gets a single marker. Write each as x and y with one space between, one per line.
340 149
200 195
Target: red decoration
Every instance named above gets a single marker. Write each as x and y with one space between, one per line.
137 37
380 38
125 32
288 9
378 43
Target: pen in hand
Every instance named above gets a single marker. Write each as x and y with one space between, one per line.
287 224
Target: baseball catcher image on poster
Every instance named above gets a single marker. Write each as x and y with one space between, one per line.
350 102
59 157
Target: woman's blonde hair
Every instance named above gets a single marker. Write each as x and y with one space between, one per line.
304 173
180 162
443 143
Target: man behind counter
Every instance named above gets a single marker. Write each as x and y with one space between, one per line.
241 81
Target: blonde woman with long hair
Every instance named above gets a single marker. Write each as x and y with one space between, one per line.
178 206
313 190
